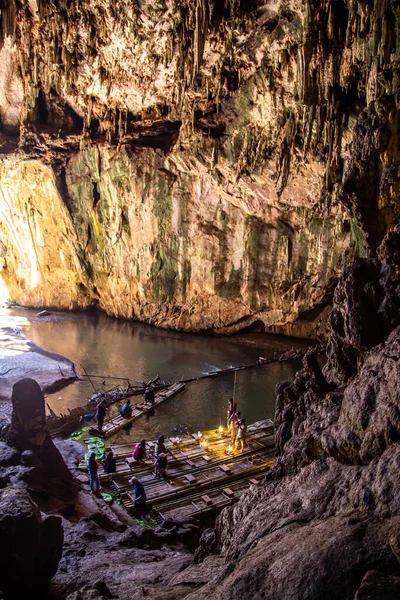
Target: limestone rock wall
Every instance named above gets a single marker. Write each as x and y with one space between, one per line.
328 511
207 163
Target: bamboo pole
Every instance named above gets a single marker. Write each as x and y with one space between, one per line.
110 377
234 388
91 382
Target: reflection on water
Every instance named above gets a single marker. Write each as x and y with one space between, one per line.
107 346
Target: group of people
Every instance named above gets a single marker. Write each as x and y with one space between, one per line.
126 410
160 468
139 454
237 426
109 464
235 423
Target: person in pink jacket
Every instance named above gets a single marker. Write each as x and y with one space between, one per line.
139 452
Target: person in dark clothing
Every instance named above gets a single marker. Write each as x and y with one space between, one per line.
161 464
101 410
94 478
140 494
160 447
126 410
149 395
231 410
110 464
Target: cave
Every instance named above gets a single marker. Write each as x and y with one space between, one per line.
199 206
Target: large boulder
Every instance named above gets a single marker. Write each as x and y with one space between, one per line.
30 546
378 585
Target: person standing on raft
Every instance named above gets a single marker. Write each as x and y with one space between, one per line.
231 410
101 410
149 395
94 478
241 435
234 425
160 465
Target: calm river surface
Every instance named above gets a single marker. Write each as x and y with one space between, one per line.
108 346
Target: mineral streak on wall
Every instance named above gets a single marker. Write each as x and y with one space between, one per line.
201 165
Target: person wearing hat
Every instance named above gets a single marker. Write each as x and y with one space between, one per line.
140 494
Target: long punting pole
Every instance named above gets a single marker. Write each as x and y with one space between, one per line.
91 382
234 388
108 377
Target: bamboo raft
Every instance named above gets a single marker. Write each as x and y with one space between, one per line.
65 424
111 426
201 479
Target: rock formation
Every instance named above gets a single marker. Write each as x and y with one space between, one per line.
329 511
44 470
30 546
31 468
201 166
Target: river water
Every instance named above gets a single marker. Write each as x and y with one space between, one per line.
108 346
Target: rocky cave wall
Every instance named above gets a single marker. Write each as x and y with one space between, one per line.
196 165
325 522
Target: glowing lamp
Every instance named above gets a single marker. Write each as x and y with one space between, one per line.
220 428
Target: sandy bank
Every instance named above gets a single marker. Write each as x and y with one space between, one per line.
19 358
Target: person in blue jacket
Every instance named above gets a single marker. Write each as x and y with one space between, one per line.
126 410
140 494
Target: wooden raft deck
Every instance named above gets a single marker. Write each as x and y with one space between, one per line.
200 481
118 422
